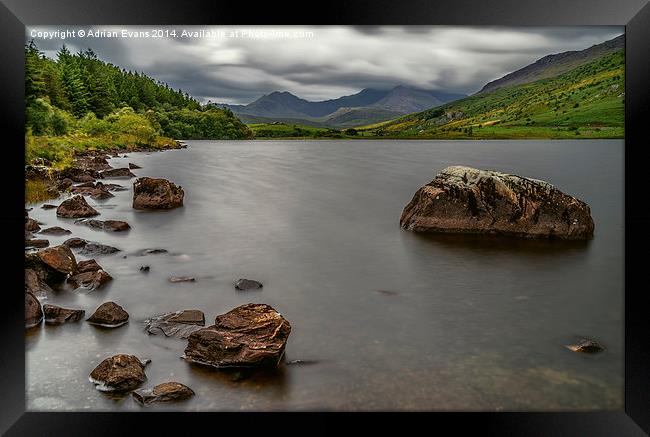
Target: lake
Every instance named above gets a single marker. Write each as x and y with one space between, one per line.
382 318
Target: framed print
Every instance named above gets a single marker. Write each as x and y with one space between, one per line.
413 208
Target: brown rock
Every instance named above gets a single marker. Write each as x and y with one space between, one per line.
109 315
118 173
65 184
96 193
33 311
467 200
251 335
93 249
92 163
55 315
75 242
34 284
31 225
118 373
55 230
88 266
165 392
43 271
77 174
176 324
106 225
91 280
59 258
36 243
150 193
75 207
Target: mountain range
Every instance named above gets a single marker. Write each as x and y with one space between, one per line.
367 106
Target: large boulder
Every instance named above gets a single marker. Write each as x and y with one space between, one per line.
179 324
109 315
468 200
35 285
75 207
165 392
119 373
151 193
55 315
33 311
251 335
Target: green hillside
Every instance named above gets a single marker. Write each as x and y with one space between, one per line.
586 102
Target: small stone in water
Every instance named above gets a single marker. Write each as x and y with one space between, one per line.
144 268
247 284
586 346
182 279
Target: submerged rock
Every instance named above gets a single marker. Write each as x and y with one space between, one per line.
106 225
145 269
48 206
586 346
90 280
109 315
165 392
182 279
251 335
75 242
145 252
55 230
151 193
93 249
133 166
31 225
176 324
247 284
36 243
97 192
75 207
468 200
55 315
33 311
119 373
118 173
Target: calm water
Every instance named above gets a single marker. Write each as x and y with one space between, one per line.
388 319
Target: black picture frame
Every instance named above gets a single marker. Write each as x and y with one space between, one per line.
633 14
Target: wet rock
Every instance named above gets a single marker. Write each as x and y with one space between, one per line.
92 162
96 192
36 243
93 249
119 373
55 230
31 225
55 315
109 315
91 280
247 284
133 166
165 392
251 335
48 206
59 258
118 173
106 225
77 174
75 242
145 252
113 187
586 346
176 324
150 193
145 269
33 311
34 284
65 184
182 279
44 272
467 200
88 266
75 207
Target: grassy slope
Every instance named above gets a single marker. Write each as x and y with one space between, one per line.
587 102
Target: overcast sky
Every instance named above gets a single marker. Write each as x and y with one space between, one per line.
324 62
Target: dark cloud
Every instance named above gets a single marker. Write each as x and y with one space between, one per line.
332 60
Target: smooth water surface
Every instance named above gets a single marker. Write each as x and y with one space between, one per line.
384 319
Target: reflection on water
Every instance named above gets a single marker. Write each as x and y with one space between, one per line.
382 319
